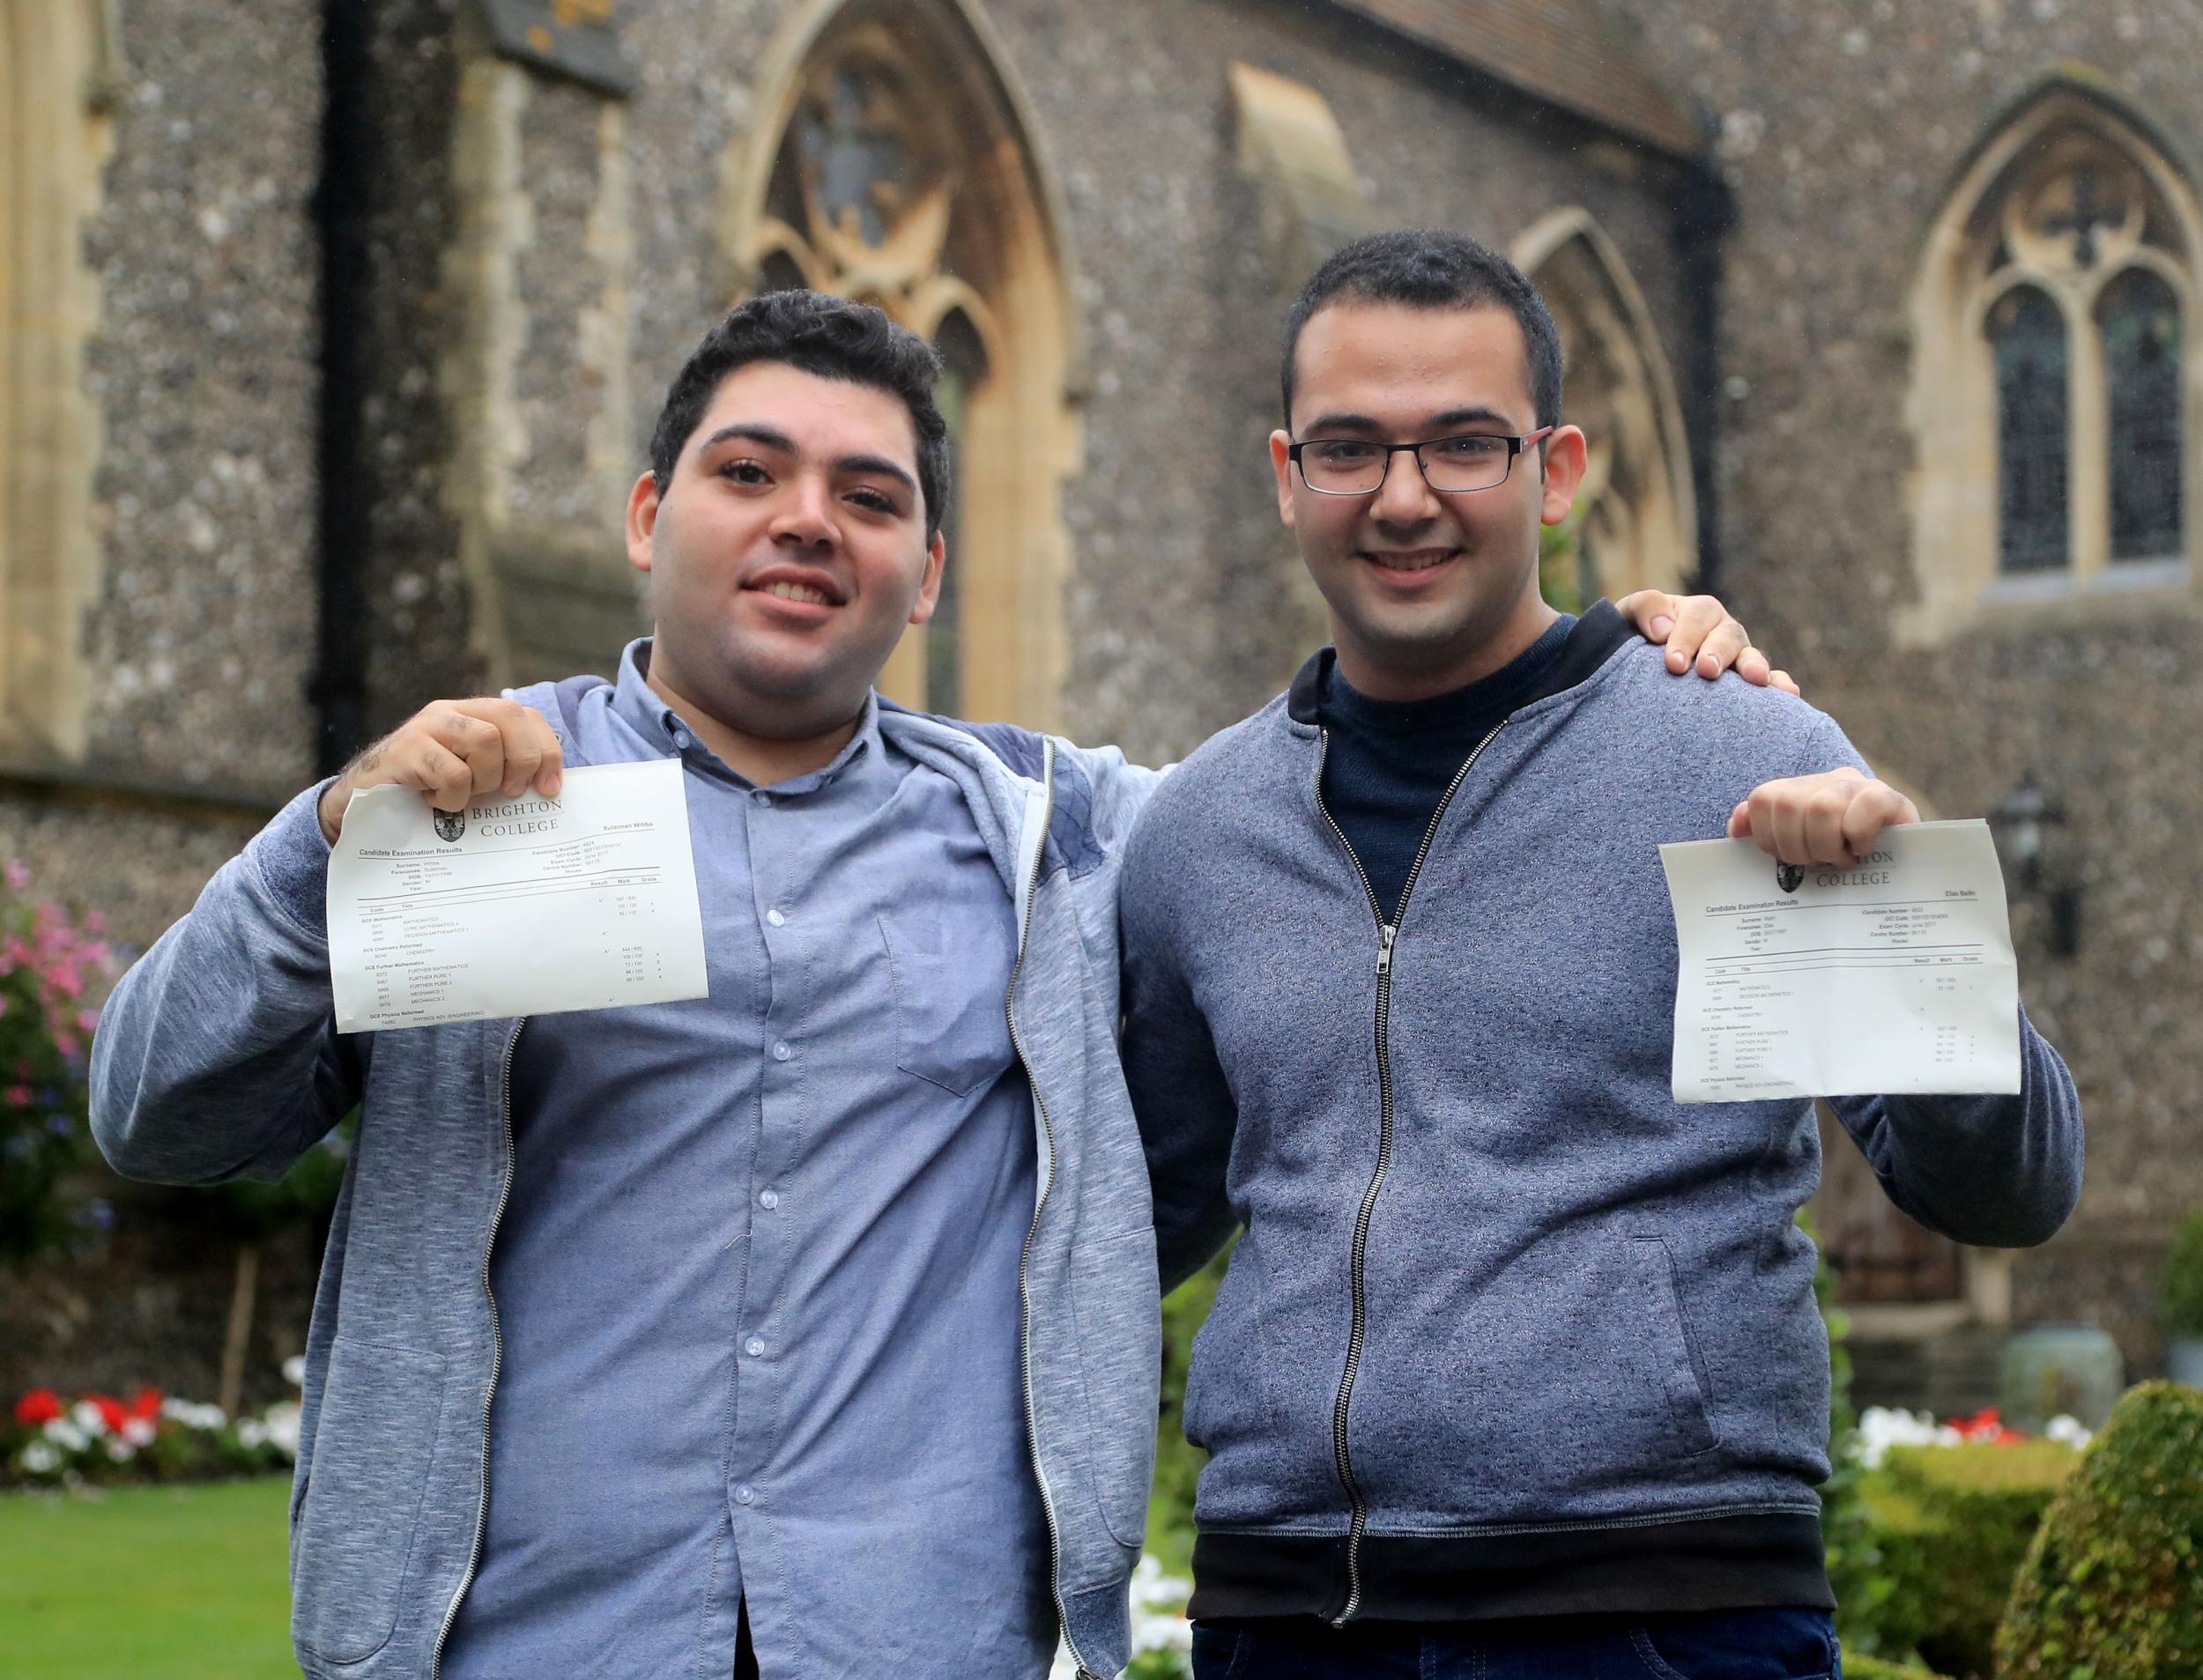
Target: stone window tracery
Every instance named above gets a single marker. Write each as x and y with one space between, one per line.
898 173
2053 403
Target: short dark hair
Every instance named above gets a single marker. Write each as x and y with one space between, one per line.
1428 269
818 334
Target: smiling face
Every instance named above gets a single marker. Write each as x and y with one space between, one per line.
1428 591
787 551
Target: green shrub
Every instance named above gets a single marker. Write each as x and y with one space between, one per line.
1865 1667
2112 1588
2184 1280
1953 1523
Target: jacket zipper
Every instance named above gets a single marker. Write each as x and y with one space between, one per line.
1025 1300
497 1359
1388 934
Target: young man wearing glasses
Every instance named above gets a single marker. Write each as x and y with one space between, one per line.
1516 1373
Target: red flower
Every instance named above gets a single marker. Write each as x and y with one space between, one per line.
40 1406
1986 1426
112 1412
146 1404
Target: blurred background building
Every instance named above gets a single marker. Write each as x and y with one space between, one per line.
331 332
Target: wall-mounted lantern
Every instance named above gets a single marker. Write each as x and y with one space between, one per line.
2026 823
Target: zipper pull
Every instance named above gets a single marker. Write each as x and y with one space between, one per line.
1385 936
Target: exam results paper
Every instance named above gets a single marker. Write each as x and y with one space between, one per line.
516 906
1895 975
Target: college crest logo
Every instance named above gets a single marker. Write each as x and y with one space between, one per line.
1789 876
449 824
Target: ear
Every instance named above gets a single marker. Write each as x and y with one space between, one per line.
1281 463
642 520
930 584
1566 456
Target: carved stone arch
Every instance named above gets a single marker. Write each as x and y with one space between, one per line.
2068 190
58 63
1637 523
894 159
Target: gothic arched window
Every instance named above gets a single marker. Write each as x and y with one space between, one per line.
2049 350
1635 525
2138 317
894 170
2026 337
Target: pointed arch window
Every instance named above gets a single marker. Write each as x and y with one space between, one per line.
896 170
2138 315
1634 526
2052 352
2026 337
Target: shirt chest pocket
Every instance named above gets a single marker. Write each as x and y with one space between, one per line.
951 978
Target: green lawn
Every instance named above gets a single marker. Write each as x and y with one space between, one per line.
180 1584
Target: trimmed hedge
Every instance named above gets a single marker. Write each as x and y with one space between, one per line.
2112 1588
1953 1524
1858 1668
2183 1280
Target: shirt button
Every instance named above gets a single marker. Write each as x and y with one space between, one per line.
745 1494
681 740
768 1199
775 918
755 1347
781 1052
762 797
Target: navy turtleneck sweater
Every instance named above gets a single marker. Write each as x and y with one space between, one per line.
1391 761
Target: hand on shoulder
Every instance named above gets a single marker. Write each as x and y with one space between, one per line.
1702 635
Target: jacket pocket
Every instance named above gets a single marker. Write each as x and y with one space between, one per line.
1120 1354
1668 1344
952 1029
382 1414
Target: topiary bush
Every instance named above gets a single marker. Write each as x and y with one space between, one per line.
2112 1588
2184 1280
1953 1524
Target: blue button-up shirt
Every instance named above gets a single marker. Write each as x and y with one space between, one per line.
758 1275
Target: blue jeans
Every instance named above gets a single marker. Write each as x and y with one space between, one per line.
1721 1645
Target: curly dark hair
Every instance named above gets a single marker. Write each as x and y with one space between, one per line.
831 338
1428 269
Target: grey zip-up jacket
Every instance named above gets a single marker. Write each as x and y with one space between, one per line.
218 1057
1510 1333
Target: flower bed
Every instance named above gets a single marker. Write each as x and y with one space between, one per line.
51 1441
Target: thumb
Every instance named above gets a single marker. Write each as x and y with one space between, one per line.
1740 821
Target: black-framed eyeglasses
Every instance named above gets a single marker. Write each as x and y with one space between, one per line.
1357 466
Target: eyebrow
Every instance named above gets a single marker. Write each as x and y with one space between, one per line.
773 438
1439 424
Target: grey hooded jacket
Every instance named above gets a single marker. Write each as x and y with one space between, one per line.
218 1058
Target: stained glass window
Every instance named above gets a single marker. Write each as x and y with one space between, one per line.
2140 319
2027 334
964 369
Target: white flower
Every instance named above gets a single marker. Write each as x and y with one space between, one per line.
252 1432
41 1458
2069 1430
87 1417
1881 1428
294 1371
65 1434
280 1427
137 1432
120 1451
193 1414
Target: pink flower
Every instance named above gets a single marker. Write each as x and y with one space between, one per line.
87 1020
17 1096
66 1043
18 878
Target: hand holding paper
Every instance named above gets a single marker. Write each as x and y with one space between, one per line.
516 906
1892 974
